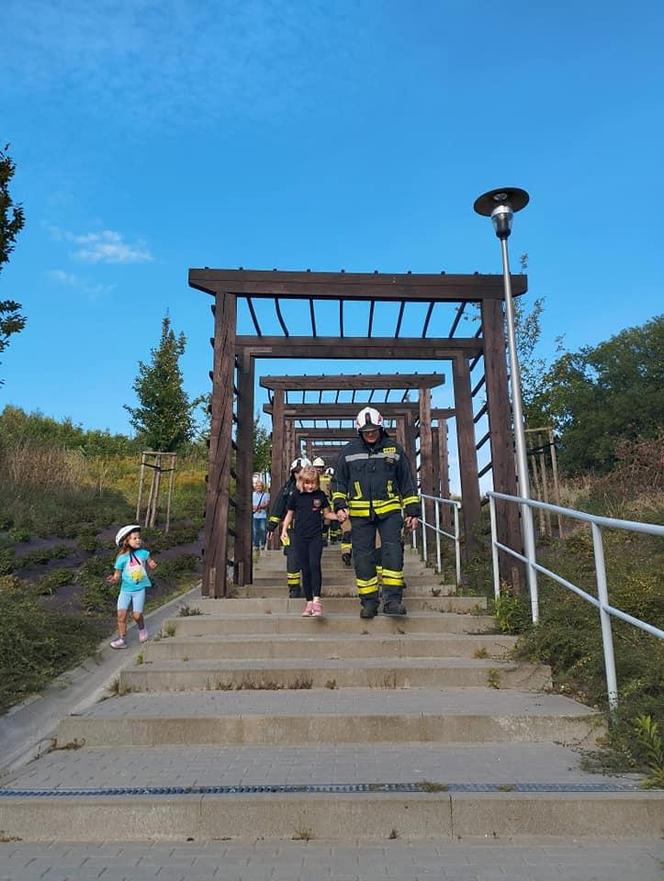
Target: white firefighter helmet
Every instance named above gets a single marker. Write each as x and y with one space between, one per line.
124 531
369 419
318 462
299 463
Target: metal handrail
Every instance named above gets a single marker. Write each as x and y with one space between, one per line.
455 536
601 602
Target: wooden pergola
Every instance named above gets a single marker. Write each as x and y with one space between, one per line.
233 373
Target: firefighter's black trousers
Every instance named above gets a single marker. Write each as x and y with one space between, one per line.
365 556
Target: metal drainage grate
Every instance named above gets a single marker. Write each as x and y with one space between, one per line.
329 788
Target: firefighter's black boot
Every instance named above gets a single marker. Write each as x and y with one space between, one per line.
393 601
346 558
295 593
370 605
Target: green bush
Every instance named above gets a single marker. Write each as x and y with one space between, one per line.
88 544
37 644
60 552
19 535
49 583
11 582
7 561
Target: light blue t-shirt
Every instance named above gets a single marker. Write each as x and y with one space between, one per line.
260 498
134 571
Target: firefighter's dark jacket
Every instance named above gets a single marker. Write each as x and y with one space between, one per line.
280 505
374 480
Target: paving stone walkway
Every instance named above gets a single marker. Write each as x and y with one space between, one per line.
331 861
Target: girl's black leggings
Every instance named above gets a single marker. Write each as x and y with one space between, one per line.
309 552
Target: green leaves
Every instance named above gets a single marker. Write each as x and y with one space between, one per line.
163 417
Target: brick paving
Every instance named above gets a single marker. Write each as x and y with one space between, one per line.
317 860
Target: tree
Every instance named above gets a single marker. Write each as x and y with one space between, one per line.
163 419
262 448
603 395
11 223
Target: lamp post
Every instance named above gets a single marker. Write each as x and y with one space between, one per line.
501 205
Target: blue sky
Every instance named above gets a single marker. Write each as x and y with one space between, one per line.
151 137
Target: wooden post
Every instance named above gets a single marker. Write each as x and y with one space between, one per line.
444 470
171 477
426 465
218 491
277 474
140 489
502 450
243 469
470 485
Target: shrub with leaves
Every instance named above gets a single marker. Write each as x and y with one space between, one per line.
36 644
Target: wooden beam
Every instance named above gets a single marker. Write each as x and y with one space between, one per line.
378 381
330 410
502 450
426 461
277 476
354 285
343 348
244 467
219 468
470 486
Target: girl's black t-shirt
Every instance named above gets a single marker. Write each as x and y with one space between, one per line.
308 510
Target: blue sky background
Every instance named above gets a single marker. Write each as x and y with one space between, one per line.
151 137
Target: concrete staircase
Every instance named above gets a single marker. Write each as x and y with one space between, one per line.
248 721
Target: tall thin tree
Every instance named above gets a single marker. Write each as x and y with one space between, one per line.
12 220
163 418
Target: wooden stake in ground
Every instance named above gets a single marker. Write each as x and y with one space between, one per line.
153 460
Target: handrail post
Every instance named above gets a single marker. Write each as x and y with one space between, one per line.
605 618
424 533
531 554
457 544
494 549
439 564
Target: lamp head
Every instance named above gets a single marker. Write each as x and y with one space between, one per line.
501 205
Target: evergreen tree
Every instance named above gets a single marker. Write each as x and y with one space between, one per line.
163 418
262 448
11 223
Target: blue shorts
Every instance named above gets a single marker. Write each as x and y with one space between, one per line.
134 598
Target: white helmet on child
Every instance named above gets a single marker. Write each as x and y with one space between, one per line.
369 419
299 463
124 531
318 462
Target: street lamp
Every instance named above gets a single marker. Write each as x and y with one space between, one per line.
501 205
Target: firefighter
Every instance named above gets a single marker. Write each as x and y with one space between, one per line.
373 481
277 514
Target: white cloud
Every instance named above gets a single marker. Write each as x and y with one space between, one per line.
93 290
108 246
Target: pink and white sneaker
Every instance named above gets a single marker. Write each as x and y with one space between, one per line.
143 635
119 643
316 609
308 610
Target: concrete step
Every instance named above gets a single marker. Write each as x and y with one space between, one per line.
318 645
332 588
339 623
348 605
335 817
325 716
385 673
447 791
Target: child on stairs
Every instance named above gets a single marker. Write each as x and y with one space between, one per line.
308 508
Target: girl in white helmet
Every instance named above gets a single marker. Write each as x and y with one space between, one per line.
131 568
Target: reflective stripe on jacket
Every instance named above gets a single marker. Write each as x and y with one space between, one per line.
374 480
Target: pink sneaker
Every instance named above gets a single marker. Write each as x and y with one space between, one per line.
316 609
308 610
143 635
119 643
